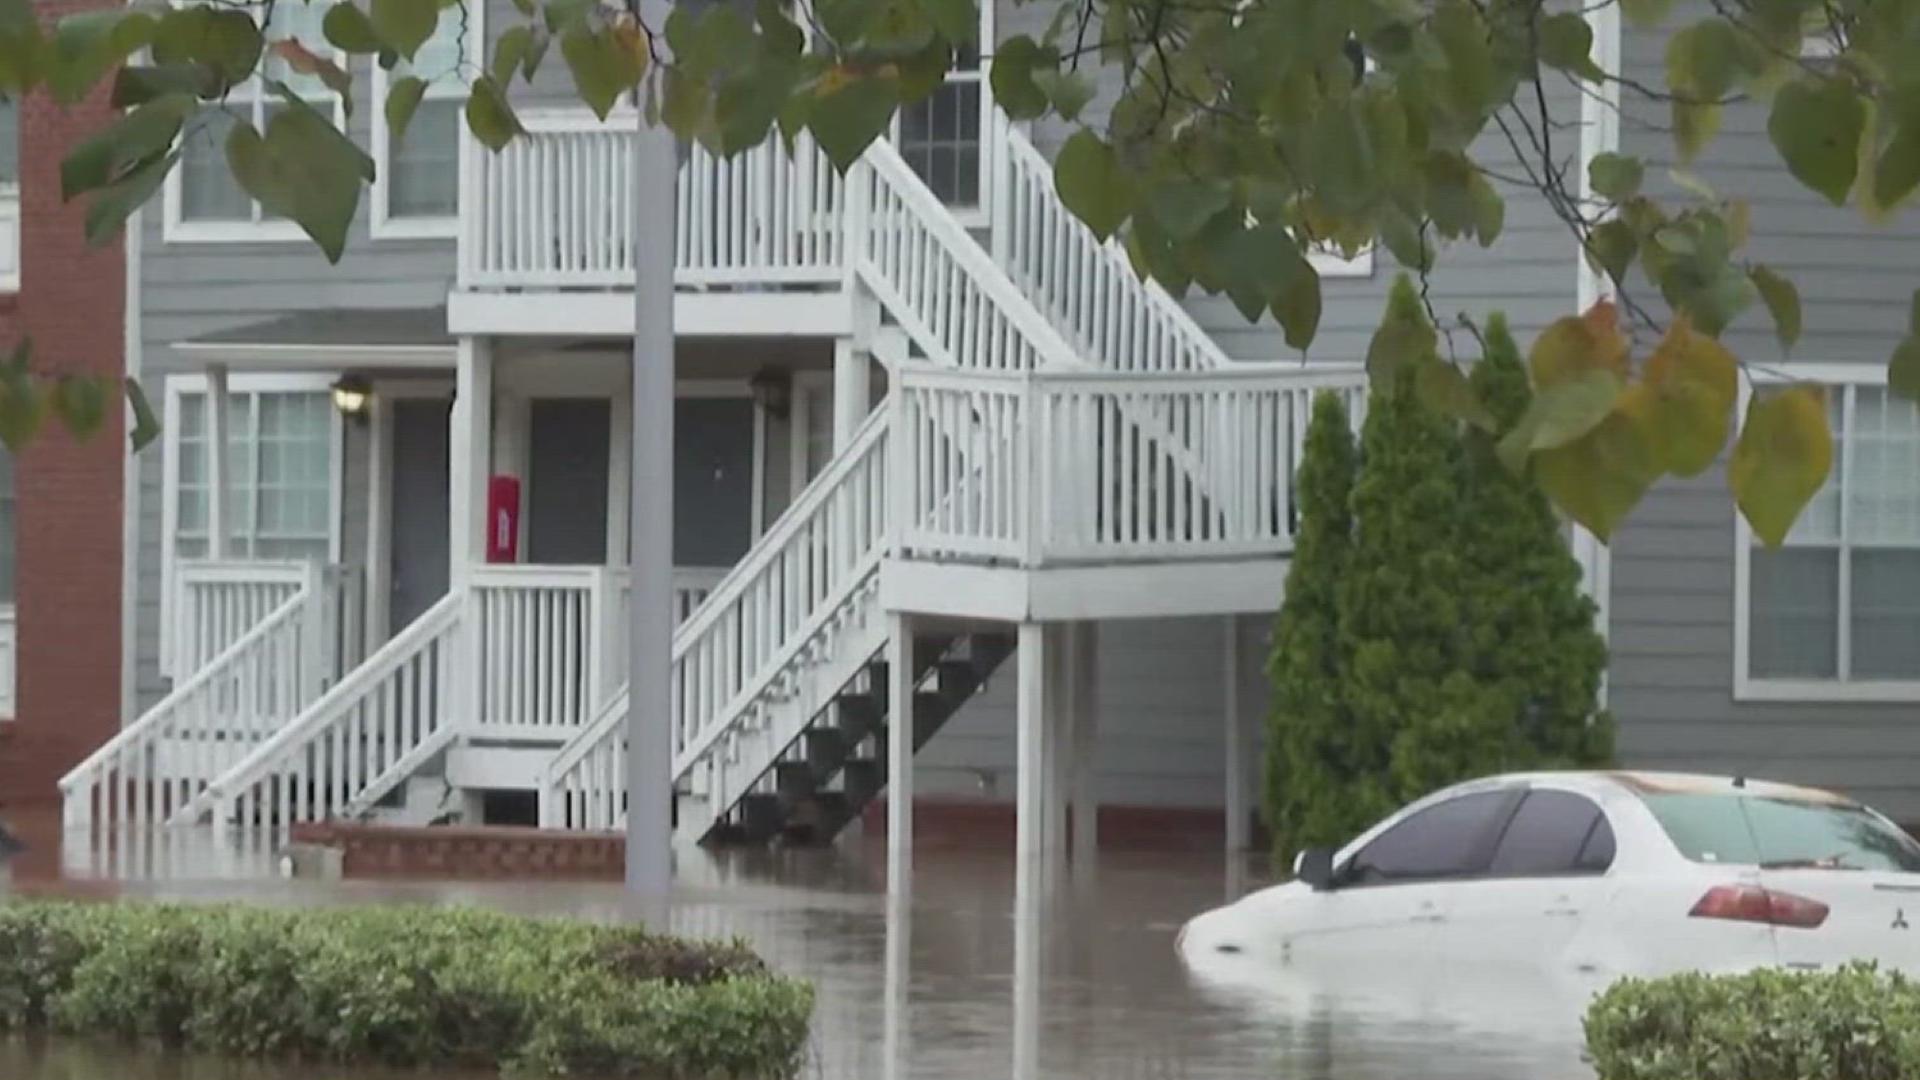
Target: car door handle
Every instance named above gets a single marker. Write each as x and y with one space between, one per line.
1563 913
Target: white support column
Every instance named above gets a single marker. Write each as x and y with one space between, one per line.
377 575
1059 739
469 453
218 460
899 753
896 1035
1084 783
1031 745
1239 746
852 390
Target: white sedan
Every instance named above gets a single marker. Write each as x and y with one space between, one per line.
1584 877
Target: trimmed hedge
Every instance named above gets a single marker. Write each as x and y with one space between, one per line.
404 986
1857 1023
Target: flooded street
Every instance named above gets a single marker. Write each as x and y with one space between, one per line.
1077 980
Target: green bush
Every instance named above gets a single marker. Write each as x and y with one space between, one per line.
1857 1023
405 986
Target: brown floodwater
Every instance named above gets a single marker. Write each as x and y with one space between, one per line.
1073 978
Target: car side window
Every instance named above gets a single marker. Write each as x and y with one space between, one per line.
1554 833
1445 840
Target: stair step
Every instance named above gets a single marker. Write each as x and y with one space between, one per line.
862 779
794 780
988 650
826 748
858 715
758 817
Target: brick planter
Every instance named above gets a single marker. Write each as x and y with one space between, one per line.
467 852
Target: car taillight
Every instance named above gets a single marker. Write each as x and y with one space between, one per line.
1751 903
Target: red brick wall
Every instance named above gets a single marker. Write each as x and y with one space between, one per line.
72 304
475 852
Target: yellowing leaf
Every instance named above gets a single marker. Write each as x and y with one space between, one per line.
1443 388
404 25
1575 344
403 100
1693 382
1816 126
1782 459
1599 477
1782 300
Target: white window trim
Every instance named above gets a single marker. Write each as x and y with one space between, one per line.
175 229
980 215
1331 264
1747 687
177 387
10 223
382 223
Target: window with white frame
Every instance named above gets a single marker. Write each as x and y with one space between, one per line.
9 526
203 199
9 196
417 175
1837 605
279 474
940 135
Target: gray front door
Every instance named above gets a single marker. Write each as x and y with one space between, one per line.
421 507
712 481
567 481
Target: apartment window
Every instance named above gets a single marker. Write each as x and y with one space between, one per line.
204 201
417 176
279 475
9 196
1835 610
940 136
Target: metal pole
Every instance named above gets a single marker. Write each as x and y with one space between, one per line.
656 166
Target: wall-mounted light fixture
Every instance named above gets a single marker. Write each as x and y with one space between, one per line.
351 395
773 390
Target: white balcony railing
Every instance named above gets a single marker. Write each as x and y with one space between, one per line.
554 209
1052 467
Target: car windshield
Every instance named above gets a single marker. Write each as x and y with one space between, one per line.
1750 830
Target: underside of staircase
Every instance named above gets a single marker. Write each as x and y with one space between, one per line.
824 780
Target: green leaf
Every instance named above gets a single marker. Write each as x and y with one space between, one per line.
303 169
1611 248
1340 158
1694 126
1468 76
405 25
509 52
137 137
1897 171
1183 206
136 84
1616 177
224 39
1566 42
1562 413
605 65
489 115
1782 459
402 101
1598 478
1011 76
958 21
81 404
750 102
88 44
1782 300
1903 370
1069 91
1573 345
564 15
1297 304
524 7
348 29
146 425
110 207
1816 126
1404 339
1088 177
847 119
1646 12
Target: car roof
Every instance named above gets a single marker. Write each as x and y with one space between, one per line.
1648 782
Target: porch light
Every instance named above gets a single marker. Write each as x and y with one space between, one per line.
772 390
350 396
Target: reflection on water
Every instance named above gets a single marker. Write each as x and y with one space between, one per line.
1089 961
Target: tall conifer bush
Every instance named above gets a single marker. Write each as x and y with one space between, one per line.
1310 751
1433 628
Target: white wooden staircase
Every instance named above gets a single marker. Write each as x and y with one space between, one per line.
1046 408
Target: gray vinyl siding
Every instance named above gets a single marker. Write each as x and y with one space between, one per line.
1672 613
1529 273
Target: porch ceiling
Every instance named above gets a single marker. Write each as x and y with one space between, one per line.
330 338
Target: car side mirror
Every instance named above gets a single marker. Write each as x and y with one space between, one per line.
1315 867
